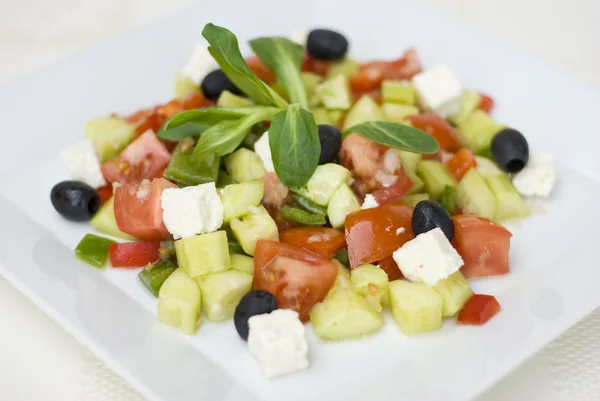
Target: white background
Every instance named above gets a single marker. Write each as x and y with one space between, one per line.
40 361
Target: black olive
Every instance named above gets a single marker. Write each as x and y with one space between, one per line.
256 302
323 44
430 214
75 200
510 150
331 143
215 83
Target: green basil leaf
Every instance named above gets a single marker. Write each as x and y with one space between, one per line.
224 137
295 146
283 57
397 136
182 131
225 50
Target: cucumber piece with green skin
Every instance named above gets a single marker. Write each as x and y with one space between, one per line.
243 263
372 283
397 113
203 254
418 184
487 167
109 135
179 302
473 196
228 99
347 67
344 314
321 116
412 200
365 109
309 206
398 92
335 116
244 165
311 81
335 93
238 198
184 86
469 101
416 307
324 182
343 278
104 221
410 160
222 292
435 176
184 170
342 203
254 226
448 199
510 203
476 131
455 292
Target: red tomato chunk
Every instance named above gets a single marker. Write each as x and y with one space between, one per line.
479 309
133 254
323 241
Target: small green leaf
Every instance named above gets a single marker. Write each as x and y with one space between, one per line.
295 146
225 50
283 57
182 131
397 136
224 137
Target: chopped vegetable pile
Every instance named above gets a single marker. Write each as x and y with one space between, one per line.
300 185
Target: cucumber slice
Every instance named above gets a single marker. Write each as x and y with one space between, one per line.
228 99
335 116
435 176
398 92
410 160
365 109
455 292
311 81
324 182
224 179
448 199
253 226
510 203
418 184
222 292
396 113
334 93
179 302
105 222
477 130
473 195
239 198
184 86
416 307
109 135
342 203
244 165
347 67
321 116
412 200
487 167
344 314
242 263
372 283
203 254
469 101
343 278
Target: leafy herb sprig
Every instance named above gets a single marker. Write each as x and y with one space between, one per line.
293 134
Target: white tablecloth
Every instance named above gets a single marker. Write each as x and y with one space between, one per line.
41 361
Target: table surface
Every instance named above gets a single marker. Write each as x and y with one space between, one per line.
41 361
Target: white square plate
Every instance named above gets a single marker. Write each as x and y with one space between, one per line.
553 282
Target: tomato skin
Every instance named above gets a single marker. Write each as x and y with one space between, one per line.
371 233
370 75
362 156
486 103
390 267
460 163
438 128
105 192
323 241
479 309
138 210
319 67
298 278
483 245
133 254
396 191
260 69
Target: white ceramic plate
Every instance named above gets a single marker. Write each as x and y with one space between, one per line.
553 282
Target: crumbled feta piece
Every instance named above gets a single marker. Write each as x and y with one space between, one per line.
538 176
143 191
263 150
369 202
391 161
299 36
400 230
428 258
200 64
385 179
438 90
277 341
192 210
83 164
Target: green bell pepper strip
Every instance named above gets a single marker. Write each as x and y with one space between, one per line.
342 257
93 250
184 171
302 217
309 206
235 247
154 275
224 179
448 199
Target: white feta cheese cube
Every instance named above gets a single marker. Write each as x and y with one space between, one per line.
369 202
200 64
192 210
263 150
83 164
277 341
438 90
538 176
428 258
